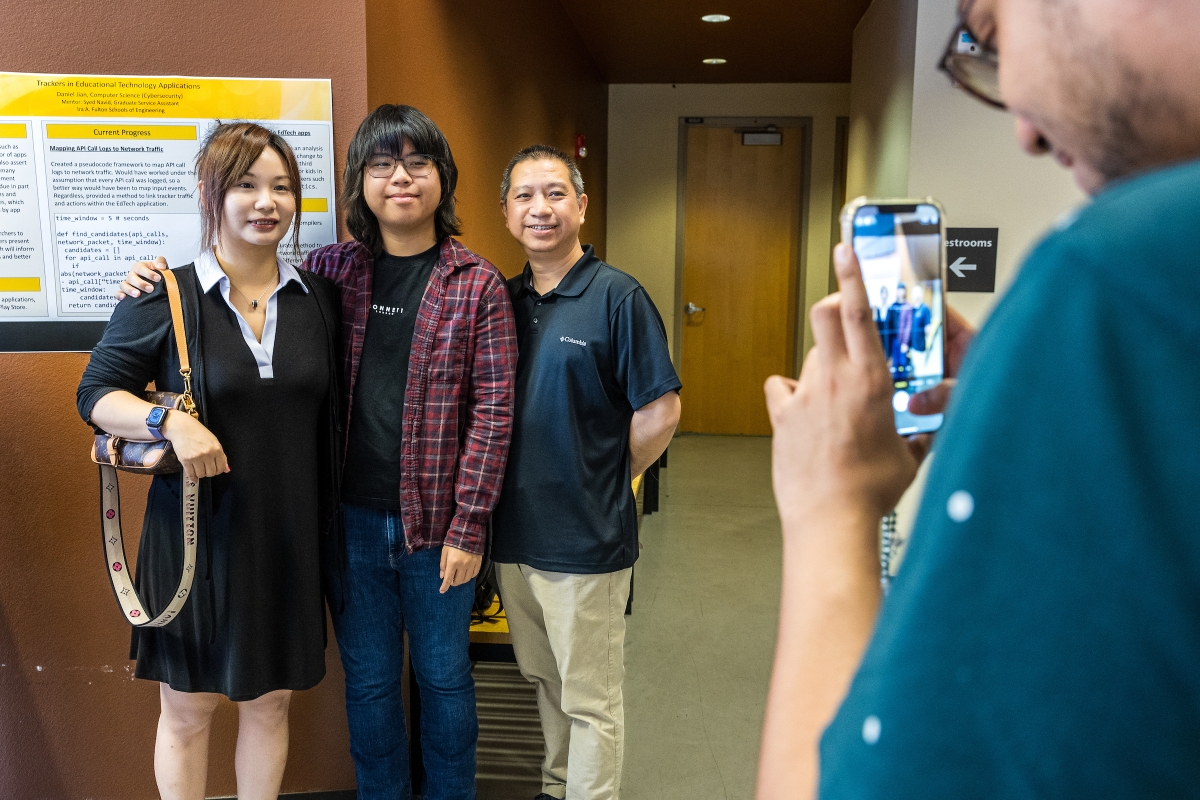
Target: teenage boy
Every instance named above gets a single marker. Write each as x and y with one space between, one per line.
1042 637
597 403
430 354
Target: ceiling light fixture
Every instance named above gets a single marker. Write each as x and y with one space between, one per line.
714 61
715 18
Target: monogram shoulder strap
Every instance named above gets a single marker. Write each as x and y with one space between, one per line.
110 502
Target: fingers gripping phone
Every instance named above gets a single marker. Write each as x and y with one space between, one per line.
901 250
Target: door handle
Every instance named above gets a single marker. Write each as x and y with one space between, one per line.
692 308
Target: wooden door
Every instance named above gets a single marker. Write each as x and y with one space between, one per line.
740 245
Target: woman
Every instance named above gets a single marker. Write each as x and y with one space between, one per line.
263 341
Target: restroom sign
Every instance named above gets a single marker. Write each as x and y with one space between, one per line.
971 259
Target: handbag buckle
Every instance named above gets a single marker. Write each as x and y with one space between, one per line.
188 404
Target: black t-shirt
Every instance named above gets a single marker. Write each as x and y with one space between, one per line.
372 474
591 352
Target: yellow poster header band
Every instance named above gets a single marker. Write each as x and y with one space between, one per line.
314 204
23 94
13 130
120 131
20 284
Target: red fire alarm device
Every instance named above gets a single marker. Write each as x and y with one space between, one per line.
580 146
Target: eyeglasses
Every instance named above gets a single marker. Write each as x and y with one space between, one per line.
416 165
973 66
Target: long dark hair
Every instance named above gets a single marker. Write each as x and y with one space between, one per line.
384 131
228 152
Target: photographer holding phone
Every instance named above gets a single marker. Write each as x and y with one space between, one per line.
1041 640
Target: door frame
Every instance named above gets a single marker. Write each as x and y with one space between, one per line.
805 125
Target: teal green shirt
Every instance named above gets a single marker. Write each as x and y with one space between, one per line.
1042 639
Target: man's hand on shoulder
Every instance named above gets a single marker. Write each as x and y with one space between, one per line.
141 278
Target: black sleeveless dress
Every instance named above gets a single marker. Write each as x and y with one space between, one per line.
255 621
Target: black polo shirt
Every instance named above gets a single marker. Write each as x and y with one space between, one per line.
591 351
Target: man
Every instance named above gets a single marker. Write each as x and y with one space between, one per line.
922 316
430 353
1041 639
597 403
900 334
880 314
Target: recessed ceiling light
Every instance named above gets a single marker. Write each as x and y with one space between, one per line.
715 18
714 61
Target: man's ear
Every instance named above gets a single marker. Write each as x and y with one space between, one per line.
582 207
504 209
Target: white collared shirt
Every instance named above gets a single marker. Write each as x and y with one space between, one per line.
209 273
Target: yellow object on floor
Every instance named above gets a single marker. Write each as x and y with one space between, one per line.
495 629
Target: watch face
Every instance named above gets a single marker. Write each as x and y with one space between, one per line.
156 417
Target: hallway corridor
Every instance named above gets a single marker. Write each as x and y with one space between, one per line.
702 634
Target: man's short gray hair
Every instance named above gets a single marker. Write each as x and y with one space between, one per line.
534 153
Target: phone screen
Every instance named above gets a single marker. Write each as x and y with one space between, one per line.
899 249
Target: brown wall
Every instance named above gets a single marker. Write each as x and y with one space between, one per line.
73 724
494 80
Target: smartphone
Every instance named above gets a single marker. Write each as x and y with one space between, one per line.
901 249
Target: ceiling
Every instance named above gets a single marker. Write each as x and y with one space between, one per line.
765 41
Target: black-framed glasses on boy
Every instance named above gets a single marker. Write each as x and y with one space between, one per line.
415 164
973 63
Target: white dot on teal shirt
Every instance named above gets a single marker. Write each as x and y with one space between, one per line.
960 506
872 727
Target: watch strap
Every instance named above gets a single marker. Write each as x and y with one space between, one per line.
156 430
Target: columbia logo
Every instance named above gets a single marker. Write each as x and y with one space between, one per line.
389 310
572 341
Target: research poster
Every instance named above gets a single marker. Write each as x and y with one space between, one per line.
96 172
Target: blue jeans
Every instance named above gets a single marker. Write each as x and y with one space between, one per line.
388 591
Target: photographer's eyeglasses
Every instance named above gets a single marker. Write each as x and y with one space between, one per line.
972 65
416 165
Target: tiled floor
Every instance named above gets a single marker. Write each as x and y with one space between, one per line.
702 635
699 643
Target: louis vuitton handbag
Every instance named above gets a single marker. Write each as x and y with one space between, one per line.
113 453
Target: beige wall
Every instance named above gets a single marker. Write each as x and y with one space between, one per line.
643 152
913 134
881 100
964 154
959 150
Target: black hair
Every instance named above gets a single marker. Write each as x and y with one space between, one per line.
384 131
539 151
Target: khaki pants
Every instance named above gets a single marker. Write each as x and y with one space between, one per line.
568 632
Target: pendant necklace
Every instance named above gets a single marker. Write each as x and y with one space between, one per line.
253 303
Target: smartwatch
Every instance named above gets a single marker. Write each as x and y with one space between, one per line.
155 420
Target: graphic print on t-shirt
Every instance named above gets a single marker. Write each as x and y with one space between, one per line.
372 475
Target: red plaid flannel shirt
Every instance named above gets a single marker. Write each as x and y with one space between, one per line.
458 405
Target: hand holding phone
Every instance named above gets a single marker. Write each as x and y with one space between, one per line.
900 246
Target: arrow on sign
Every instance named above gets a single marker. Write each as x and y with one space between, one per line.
958 267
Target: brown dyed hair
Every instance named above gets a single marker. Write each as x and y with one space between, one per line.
228 152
